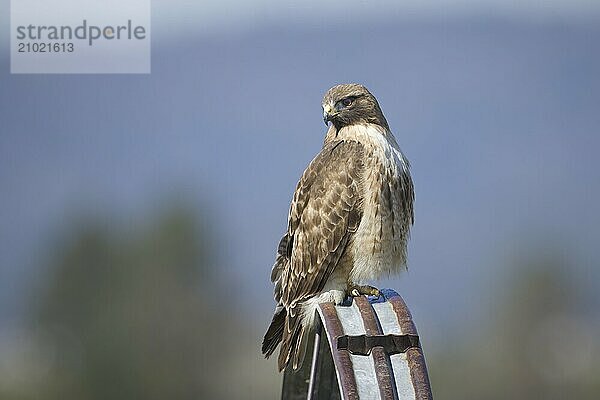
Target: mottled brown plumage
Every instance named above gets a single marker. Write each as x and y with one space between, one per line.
348 222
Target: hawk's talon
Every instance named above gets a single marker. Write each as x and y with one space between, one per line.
357 290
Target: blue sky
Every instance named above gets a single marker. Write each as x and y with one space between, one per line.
176 18
498 116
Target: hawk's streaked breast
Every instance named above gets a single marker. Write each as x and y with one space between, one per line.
379 245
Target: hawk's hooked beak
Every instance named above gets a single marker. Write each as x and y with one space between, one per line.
326 114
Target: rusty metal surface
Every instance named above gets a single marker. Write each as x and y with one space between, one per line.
374 368
344 367
383 368
405 321
363 345
364 367
418 373
389 324
414 356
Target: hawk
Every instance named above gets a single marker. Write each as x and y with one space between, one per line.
348 223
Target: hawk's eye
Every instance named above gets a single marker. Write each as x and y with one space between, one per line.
344 103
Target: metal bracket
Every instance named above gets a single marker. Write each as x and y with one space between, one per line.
391 344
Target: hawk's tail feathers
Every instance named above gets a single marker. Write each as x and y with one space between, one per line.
300 350
286 328
275 332
295 340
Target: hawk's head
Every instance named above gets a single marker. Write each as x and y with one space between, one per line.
350 104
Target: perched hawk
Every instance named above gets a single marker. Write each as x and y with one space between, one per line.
348 223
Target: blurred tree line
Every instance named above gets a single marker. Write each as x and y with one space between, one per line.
537 342
142 313
139 313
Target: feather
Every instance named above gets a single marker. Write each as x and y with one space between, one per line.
349 220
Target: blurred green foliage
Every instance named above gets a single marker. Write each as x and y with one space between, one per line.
535 343
138 314
142 312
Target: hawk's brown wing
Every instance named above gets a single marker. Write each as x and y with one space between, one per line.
322 214
325 210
